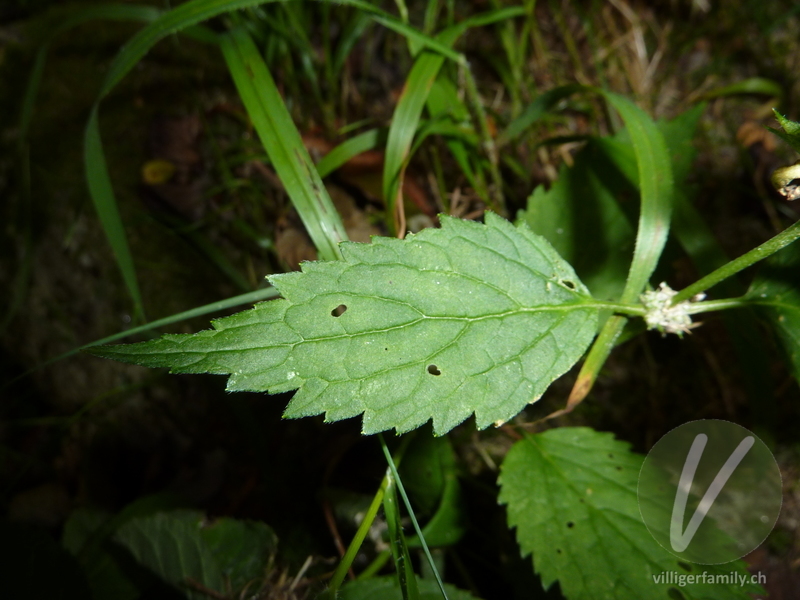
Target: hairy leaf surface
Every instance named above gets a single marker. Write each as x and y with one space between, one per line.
571 494
466 319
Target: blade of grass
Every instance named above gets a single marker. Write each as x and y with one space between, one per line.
214 307
534 111
364 527
363 142
443 99
754 85
397 541
656 188
105 204
391 496
283 143
112 12
408 112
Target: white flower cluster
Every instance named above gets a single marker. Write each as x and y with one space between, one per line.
664 317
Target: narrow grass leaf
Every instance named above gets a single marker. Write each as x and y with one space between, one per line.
408 112
396 480
105 204
535 111
214 307
656 192
405 121
656 188
119 12
283 143
363 142
754 85
406 579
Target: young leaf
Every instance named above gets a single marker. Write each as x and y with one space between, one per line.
465 319
571 494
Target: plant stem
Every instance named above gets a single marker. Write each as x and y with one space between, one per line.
635 310
783 239
701 307
407 502
358 539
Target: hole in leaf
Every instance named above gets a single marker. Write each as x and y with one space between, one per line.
618 468
338 311
434 370
558 550
570 524
610 455
568 284
685 566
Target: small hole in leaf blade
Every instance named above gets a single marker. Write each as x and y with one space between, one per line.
434 370
338 311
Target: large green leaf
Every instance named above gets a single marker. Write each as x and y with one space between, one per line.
466 319
571 494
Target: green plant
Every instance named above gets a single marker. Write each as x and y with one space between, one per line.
471 318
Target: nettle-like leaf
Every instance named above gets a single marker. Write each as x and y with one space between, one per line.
469 318
572 495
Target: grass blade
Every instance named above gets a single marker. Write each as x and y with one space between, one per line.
363 142
214 307
283 143
402 559
408 112
535 110
395 481
656 188
105 204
